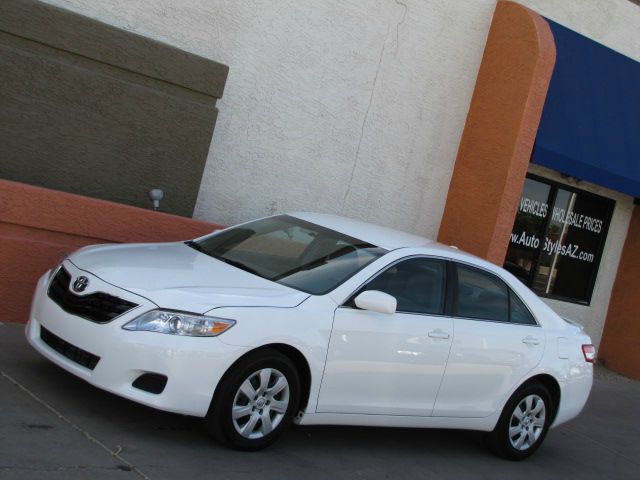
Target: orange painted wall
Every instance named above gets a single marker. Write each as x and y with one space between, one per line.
499 133
620 345
38 226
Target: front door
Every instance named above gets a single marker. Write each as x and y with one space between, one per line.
391 364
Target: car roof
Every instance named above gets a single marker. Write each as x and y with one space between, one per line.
391 239
384 237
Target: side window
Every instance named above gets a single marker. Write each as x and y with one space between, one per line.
520 313
481 295
418 284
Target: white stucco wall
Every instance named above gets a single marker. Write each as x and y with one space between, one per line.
353 107
613 23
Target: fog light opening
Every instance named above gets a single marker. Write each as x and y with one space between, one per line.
150 382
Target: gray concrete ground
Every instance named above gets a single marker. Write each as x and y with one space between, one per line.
55 426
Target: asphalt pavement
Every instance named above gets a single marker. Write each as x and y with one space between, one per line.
55 426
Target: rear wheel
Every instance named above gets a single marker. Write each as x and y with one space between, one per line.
255 401
523 424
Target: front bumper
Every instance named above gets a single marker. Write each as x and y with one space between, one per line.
192 365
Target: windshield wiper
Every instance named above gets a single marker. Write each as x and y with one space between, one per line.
235 263
239 265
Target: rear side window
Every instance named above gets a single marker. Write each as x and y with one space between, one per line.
484 296
520 313
481 295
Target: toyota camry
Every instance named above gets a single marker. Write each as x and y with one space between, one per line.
315 319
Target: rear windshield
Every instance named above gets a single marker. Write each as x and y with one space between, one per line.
292 252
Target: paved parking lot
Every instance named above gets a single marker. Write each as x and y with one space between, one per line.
53 425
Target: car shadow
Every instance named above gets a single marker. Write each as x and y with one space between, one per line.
102 411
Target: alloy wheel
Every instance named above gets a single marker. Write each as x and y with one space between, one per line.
260 403
527 422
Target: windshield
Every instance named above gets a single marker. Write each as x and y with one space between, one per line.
292 252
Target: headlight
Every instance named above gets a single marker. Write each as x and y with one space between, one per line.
179 323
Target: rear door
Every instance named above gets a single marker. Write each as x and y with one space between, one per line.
497 342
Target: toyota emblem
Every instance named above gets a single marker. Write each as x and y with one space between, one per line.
80 284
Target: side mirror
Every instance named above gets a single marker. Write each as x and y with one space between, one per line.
376 301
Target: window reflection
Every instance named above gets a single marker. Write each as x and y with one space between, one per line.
557 239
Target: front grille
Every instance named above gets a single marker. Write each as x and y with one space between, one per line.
98 307
73 353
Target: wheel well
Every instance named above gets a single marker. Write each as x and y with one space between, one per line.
302 366
552 385
296 357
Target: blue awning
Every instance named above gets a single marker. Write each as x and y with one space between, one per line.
590 125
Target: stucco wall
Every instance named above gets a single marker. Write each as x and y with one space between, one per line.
619 348
499 134
342 107
331 106
613 23
91 109
38 226
353 107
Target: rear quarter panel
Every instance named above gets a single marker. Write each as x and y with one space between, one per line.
564 361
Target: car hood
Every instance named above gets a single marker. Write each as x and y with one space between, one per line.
175 276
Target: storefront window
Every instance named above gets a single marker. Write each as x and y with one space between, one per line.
557 239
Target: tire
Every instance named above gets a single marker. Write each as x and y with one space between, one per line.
523 424
255 401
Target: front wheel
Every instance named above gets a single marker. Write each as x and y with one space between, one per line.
255 401
523 424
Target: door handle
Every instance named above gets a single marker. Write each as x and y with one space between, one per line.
529 340
438 334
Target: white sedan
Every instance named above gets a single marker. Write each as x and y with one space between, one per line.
315 319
